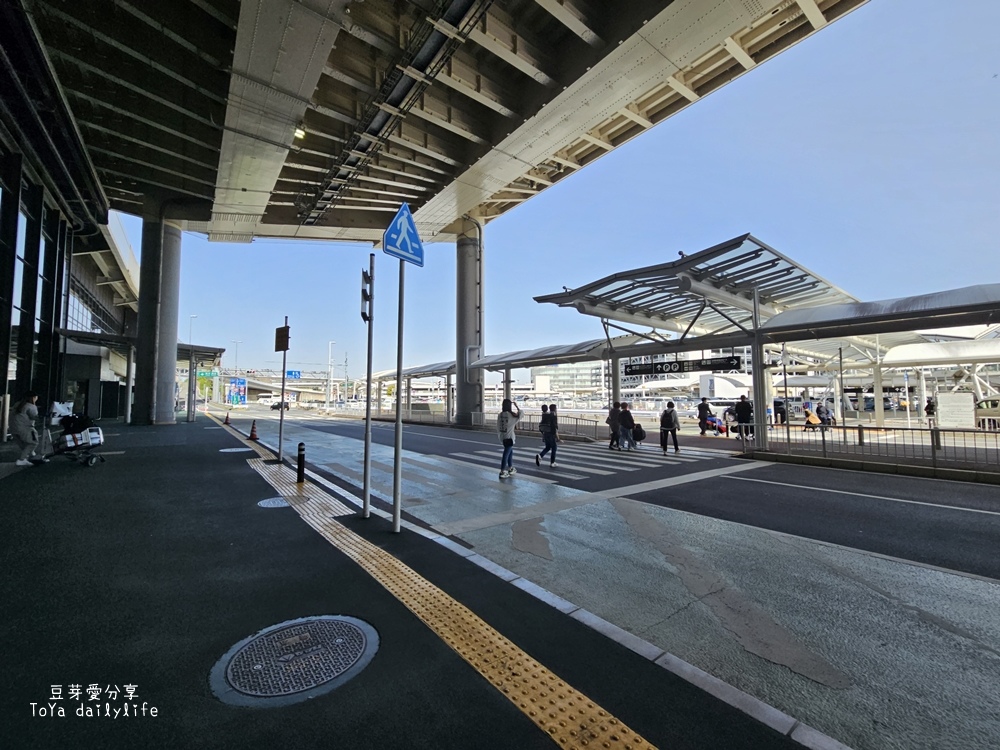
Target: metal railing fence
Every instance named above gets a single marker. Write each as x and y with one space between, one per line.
577 426
977 450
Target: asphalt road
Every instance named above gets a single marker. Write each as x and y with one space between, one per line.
951 525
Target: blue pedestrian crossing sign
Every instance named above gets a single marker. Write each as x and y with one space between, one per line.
401 239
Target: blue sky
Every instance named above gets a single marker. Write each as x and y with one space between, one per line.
868 153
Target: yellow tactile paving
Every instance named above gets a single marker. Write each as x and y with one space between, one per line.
280 477
564 713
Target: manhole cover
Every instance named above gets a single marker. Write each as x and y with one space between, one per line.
273 502
234 450
294 661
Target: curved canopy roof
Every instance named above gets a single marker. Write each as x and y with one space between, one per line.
585 351
969 305
708 292
978 351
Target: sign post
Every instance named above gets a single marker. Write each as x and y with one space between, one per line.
367 315
402 241
281 336
685 365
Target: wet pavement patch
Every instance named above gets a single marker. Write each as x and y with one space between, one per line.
274 502
294 661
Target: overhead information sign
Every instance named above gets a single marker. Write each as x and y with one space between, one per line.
685 365
401 239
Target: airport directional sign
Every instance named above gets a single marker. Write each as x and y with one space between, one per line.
293 374
401 239
713 364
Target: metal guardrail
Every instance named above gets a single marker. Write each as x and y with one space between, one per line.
577 426
974 450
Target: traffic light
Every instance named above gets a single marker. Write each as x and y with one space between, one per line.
281 339
366 296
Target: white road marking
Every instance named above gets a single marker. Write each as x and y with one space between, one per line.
696 476
862 494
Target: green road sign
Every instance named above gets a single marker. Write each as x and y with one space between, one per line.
208 373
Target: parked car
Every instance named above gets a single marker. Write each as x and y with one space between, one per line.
988 414
279 405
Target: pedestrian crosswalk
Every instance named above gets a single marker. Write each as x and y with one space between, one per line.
579 461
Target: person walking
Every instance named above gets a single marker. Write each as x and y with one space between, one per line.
669 424
930 410
625 424
780 414
22 427
744 417
549 428
704 412
614 424
510 415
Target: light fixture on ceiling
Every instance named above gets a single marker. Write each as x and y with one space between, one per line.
300 131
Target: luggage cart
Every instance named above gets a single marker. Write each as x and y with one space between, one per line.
77 439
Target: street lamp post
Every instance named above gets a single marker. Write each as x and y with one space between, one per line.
236 356
329 372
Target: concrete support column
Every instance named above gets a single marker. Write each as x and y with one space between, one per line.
147 327
760 390
507 385
469 322
159 298
409 396
166 360
616 379
877 393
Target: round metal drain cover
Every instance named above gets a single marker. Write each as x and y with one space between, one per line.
234 450
274 502
294 661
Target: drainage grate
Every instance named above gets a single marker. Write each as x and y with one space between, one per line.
274 502
234 450
294 661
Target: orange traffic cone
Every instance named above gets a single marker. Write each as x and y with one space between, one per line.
227 419
253 431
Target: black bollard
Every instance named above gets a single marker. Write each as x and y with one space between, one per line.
300 476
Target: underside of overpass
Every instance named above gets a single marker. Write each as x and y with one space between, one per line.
318 118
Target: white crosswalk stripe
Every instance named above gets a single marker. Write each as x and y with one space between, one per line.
577 461
491 457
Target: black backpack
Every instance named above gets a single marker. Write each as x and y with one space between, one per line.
638 434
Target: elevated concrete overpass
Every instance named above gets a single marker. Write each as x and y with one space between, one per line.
317 118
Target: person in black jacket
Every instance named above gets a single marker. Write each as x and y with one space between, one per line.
704 412
744 416
669 424
625 424
549 427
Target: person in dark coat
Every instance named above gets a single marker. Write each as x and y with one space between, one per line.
549 427
744 416
704 412
614 424
625 424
